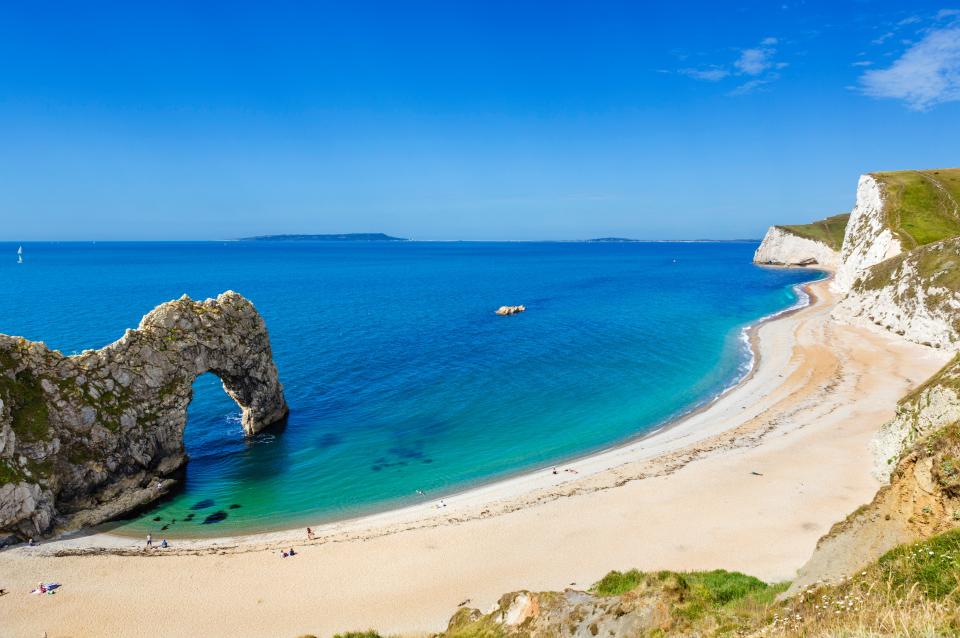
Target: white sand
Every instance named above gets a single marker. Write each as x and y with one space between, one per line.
686 498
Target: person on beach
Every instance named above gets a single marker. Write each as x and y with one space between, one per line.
149 540
164 544
309 534
292 553
283 554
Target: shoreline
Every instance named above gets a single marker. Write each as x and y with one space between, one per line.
748 333
749 483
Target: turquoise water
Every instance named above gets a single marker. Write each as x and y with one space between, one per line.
398 374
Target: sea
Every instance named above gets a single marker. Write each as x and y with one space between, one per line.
404 386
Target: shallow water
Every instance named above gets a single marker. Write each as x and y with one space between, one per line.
399 376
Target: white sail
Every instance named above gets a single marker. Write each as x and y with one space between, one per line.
20 255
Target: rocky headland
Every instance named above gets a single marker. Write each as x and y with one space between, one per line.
815 244
89 437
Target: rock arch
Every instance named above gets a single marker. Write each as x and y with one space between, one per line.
85 438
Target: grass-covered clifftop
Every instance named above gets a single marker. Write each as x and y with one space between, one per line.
828 231
921 207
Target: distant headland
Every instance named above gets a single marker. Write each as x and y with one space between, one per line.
341 237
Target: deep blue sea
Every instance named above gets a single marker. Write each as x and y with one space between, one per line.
398 374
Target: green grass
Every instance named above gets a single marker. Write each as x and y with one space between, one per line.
359 634
927 276
9 473
922 206
829 231
616 583
716 601
937 265
931 566
28 405
715 588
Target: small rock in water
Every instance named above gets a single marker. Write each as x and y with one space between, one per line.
202 505
157 518
235 506
504 311
189 517
216 517
164 528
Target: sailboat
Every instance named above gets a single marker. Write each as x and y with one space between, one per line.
20 255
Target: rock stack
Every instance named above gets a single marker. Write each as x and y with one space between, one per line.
88 437
503 311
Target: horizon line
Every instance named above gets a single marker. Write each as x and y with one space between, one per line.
598 240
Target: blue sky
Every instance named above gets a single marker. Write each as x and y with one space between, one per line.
474 120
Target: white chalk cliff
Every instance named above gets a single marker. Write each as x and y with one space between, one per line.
930 407
868 239
781 247
914 295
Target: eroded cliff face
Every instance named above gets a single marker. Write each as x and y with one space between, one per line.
573 614
915 295
88 437
933 405
867 240
922 499
783 248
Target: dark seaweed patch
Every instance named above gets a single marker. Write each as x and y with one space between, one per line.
235 506
329 439
216 517
202 505
157 518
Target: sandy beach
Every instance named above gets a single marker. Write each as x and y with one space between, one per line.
749 483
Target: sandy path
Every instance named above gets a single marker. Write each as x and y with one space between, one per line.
802 421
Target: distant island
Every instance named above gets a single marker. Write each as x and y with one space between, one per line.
341 237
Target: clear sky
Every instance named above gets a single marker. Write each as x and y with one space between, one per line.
456 119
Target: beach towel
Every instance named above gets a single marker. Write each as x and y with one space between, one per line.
49 587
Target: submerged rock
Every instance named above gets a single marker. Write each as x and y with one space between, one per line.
89 437
216 517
